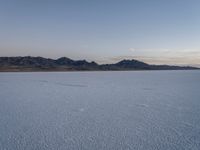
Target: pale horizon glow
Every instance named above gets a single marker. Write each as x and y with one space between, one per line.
156 31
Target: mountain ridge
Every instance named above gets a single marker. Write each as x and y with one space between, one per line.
29 63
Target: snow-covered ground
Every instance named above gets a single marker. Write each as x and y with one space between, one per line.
143 110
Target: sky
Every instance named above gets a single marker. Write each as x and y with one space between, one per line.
106 31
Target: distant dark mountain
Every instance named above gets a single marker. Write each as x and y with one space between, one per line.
126 65
66 64
132 64
64 61
26 61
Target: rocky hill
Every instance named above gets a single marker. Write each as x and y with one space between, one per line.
66 64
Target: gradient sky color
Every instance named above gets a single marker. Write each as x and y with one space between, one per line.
155 31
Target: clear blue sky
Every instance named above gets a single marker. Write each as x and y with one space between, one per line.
155 31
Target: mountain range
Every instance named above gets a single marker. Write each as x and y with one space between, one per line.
28 63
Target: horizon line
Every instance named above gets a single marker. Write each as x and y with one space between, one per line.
115 61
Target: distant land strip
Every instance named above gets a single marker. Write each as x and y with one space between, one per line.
34 64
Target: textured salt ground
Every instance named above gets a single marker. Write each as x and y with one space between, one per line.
100 110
